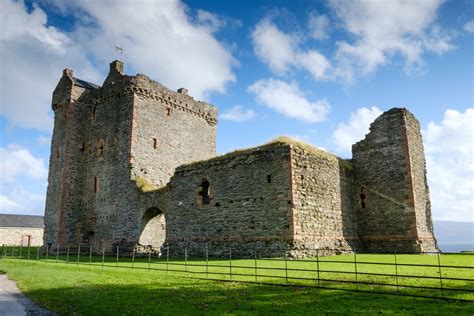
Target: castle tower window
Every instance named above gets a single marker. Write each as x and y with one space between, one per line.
205 188
269 178
82 149
96 184
155 143
93 114
57 152
101 148
362 197
168 111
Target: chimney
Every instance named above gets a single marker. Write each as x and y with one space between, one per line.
183 91
67 73
117 66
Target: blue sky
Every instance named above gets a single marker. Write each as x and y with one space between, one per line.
319 71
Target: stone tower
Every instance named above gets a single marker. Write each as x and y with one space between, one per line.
110 141
393 205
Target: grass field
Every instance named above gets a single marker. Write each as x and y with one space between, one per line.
96 290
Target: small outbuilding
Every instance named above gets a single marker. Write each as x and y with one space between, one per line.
25 230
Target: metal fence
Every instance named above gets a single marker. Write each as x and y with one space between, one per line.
431 276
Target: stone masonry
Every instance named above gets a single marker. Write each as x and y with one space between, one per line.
134 163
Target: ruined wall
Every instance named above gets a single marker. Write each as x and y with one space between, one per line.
249 204
384 173
324 220
424 223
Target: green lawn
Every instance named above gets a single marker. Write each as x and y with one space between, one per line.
96 290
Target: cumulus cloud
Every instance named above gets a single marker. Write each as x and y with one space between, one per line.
449 148
469 26
27 84
19 201
18 161
347 134
289 100
382 29
318 26
238 114
281 51
18 169
160 39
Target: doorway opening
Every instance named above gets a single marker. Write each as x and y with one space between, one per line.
153 229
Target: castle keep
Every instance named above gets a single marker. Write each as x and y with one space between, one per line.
133 162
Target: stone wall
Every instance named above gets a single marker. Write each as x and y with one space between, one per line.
323 196
384 173
16 236
249 204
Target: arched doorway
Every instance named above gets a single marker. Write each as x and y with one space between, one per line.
153 229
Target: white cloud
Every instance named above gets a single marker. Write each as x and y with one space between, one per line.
469 26
318 26
19 201
383 29
26 85
19 169
274 47
281 51
43 140
347 134
18 161
288 100
160 39
238 114
449 147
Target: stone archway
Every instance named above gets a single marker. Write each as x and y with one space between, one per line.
153 229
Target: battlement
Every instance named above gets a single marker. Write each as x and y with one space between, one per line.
117 84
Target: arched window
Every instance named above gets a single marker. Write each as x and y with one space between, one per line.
362 197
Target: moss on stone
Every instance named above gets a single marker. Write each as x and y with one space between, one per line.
144 185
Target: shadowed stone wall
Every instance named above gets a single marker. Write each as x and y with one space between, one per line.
391 186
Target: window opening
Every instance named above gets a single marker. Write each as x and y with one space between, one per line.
94 111
269 178
155 143
206 199
168 111
96 184
362 197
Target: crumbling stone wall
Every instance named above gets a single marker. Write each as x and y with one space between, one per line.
249 204
323 198
385 164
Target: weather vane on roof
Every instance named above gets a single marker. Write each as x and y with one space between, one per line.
120 50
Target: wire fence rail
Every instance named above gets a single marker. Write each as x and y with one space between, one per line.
440 276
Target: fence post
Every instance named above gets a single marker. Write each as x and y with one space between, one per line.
57 252
167 257
3 249
29 249
255 257
117 260
78 254
207 263
67 254
103 256
286 268
21 249
90 254
230 263
149 258
186 259
317 265
440 277
133 257
47 252
355 269
37 253
396 272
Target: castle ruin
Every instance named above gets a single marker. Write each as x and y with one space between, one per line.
133 162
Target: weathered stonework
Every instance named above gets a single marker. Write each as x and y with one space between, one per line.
134 162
